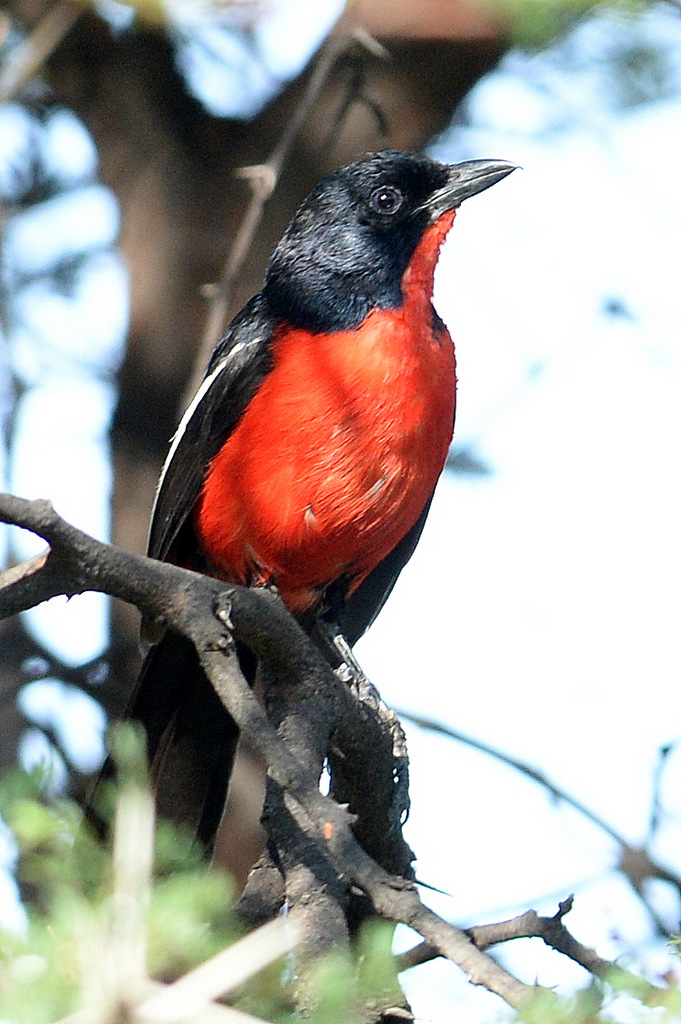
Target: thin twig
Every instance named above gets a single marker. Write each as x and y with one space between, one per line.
553 932
656 804
635 863
32 53
357 94
521 766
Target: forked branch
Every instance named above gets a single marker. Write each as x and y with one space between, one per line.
212 614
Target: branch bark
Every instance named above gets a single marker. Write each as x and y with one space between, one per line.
553 932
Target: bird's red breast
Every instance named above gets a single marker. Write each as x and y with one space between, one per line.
335 457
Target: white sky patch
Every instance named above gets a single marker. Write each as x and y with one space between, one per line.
235 66
59 452
313 21
77 719
13 917
75 332
61 228
68 150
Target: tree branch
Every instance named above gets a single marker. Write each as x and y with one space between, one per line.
531 925
211 614
32 53
308 709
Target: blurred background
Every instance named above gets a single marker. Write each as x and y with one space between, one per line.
540 615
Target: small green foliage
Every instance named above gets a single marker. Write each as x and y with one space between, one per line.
175 850
377 977
75 896
91 913
666 994
57 853
535 23
546 1008
334 980
39 977
127 744
60 870
189 920
598 1003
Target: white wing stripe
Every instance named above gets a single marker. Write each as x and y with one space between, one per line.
189 412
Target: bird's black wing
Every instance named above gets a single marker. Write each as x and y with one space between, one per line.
191 740
360 609
234 374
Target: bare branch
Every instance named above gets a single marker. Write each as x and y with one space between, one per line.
554 933
208 612
635 863
29 57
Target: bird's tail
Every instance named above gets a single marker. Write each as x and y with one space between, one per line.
191 739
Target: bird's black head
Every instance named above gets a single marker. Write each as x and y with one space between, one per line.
347 248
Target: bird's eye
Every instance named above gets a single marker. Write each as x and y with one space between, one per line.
386 200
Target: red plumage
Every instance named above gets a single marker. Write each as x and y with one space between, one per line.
337 454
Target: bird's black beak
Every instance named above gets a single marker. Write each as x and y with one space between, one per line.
465 180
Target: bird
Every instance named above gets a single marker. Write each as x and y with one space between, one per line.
308 458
